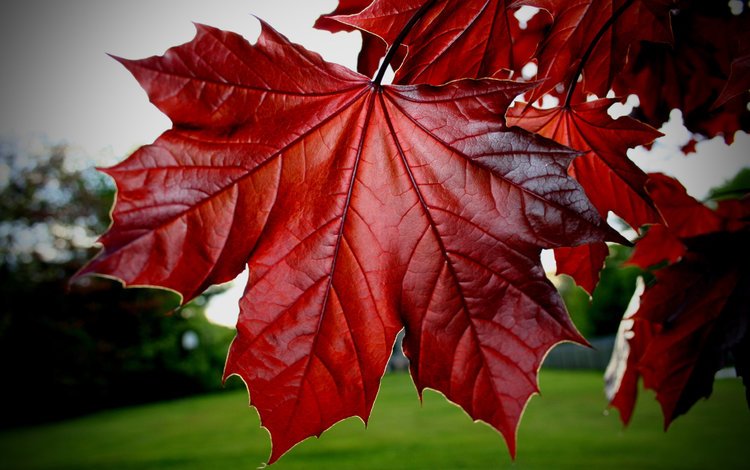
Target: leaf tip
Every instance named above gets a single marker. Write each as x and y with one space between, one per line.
127 63
625 414
614 236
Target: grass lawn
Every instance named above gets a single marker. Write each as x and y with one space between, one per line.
566 428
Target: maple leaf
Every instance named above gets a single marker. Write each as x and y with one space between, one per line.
345 7
694 319
373 48
738 82
454 39
621 375
359 209
582 263
594 38
657 245
684 216
693 74
611 180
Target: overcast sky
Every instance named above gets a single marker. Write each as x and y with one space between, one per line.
58 83
57 79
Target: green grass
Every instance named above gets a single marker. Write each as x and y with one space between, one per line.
566 428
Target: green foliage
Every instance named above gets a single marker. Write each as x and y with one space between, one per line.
737 187
66 350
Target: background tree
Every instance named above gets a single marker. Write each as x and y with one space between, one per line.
78 348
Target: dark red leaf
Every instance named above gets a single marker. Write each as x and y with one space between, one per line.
359 210
690 324
621 377
344 8
692 74
607 27
582 263
454 39
693 320
373 47
611 180
735 213
659 244
738 82
689 148
684 216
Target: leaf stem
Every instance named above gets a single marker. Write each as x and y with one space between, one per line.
586 55
399 39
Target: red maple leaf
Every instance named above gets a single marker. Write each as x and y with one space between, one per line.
344 8
684 216
611 180
693 74
582 263
359 209
454 39
738 82
594 38
657 245
693 320
373 48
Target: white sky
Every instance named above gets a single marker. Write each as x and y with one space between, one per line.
58 83
58 80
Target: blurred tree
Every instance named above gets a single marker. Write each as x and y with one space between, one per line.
66 350
736 187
